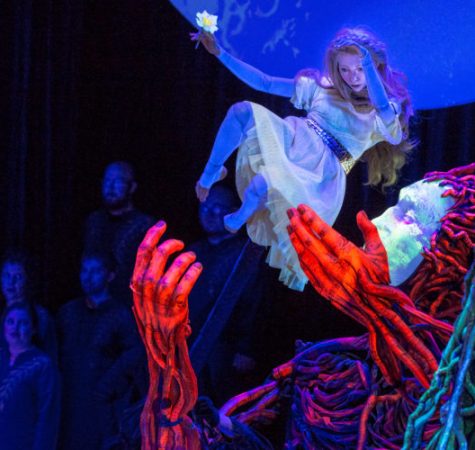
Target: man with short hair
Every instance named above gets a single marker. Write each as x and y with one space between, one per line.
98 344
230 355
118 227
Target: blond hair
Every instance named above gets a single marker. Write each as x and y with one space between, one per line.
384 159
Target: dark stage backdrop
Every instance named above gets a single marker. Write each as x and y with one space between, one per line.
86 82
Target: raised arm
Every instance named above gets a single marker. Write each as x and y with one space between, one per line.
376 91
255 78
250 75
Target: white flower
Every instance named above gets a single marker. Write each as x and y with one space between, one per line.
207 22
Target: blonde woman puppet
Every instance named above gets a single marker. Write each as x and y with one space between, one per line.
357 108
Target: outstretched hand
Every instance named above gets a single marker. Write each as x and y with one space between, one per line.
208 40
356 281
334 265
161 297
161 311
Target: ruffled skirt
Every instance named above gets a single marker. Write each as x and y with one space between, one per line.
298 168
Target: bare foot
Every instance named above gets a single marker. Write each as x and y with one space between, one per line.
202 192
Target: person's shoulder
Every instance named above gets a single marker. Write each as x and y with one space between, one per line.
308 72
118 313
40 355
143 218
116 306
238 240
309 86
71 305
39 360
198 246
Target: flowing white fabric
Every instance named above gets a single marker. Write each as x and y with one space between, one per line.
299 168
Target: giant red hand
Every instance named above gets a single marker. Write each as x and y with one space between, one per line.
324 252
161 299
355 281
161 311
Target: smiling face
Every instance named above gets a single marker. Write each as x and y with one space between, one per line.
351 71
406 228
18 328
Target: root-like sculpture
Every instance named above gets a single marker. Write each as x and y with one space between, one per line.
360 392
353 392
161 312
454 376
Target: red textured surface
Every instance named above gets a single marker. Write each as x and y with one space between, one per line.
161 312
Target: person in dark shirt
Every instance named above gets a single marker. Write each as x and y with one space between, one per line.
231 356
29 385
16 275
99 344
118 227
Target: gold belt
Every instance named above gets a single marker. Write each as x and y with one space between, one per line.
343 155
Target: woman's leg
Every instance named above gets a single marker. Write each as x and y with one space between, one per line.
237 122
255 197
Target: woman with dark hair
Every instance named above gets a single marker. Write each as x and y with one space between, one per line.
17 285
29 385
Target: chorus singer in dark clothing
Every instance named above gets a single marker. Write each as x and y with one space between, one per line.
98 344
29 385
118 227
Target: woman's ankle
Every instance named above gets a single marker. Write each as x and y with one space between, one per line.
212 174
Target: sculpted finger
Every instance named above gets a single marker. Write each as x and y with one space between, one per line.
370 233
169 281
308 263
315 273
312 267
310 242
145 251
155 271
295 241
138 314
333 240
139 320
182 291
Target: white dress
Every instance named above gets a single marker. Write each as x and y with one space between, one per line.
299 168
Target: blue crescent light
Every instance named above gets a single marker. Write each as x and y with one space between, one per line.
433 42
